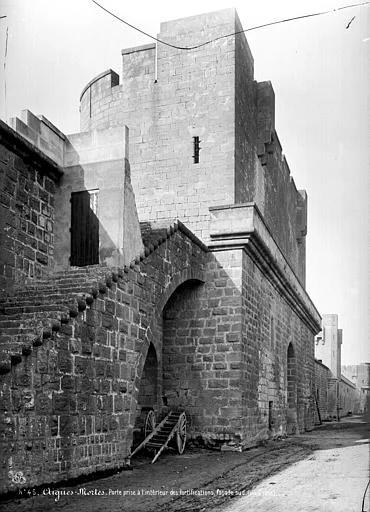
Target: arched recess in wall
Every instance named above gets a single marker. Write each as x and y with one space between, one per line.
182 280
148 396
182 328
291 383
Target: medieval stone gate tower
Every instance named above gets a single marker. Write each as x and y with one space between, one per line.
169 99
212 315
204 149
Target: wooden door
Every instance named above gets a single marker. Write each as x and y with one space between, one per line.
84 231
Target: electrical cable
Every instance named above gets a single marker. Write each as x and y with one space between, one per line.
232 34
5 56
363 499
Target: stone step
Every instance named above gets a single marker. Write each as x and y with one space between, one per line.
50 288
10 335
27 336
81 270
45 296
57 286
39 300
11 348
32 312
72 273
44 308
26 319
68 276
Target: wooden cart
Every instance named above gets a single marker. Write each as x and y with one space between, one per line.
172 427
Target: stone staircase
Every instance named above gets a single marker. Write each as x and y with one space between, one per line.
32 313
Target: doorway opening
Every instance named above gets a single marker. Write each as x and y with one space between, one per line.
84 228
271 420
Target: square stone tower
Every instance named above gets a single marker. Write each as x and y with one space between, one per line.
329 344
202 130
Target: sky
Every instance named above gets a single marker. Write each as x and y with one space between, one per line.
320 71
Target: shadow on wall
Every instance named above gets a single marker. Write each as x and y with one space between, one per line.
182 384
204 349
96 220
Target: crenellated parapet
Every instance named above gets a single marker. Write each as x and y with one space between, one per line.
288 221
41 133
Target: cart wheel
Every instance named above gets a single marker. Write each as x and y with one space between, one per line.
181 434
149 424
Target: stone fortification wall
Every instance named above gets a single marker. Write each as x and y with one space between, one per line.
28 180
70 383
288 222
349 397
360 375
322 374
277 325
269 327
228 328
335 397
167 97
73 378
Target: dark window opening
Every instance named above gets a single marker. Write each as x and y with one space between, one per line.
271 420
197 148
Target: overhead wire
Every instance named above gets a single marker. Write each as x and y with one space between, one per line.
5 57
194 47
363 498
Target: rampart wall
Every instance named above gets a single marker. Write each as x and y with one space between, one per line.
28 180
322 374
349 397
335 397
71 388
223 324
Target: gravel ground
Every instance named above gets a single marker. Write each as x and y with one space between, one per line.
199 480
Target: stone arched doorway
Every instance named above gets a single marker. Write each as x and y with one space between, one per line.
182 331
177 308
291 383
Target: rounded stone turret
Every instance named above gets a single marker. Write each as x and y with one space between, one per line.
96 100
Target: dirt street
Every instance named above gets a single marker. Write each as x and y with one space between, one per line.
333 479
326 469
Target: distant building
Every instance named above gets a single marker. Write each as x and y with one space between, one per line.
328 344
336 395
360 375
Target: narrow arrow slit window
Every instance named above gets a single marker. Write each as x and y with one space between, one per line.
197 148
